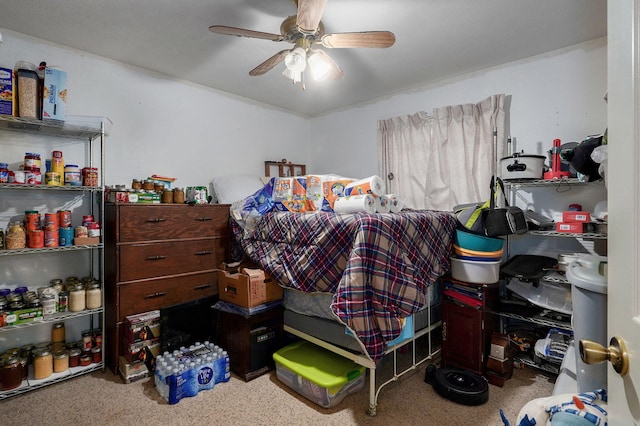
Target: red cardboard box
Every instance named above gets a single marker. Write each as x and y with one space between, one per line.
573 216
571 227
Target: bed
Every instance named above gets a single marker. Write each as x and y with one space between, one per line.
374 275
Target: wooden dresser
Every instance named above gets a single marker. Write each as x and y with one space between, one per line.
159 255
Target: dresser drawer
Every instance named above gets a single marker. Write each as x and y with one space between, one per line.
148 260
160 293
169 222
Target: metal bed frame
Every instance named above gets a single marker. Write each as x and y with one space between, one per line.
365 360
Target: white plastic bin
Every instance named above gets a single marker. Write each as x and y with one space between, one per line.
588 279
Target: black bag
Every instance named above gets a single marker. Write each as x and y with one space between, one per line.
505 220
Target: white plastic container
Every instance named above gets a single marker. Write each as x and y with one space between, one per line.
548 295
475 272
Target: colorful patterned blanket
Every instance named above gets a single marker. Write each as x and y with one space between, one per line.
377 265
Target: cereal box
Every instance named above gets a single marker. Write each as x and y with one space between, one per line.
54 94
6 91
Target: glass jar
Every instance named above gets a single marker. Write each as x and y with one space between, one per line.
60 361
4 173
158 186
94 296
167 196
77 299
136 184
74 357
87 340
42 364
96 354
147 185
178 195
16 237
85 359
11 373
48 302
32 161
58 333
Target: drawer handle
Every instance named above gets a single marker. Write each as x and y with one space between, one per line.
203 287
156 220
203 219
156 257
155 295
204 253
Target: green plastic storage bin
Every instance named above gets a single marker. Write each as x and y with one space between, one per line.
317 373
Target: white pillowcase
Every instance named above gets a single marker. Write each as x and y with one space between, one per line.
229 189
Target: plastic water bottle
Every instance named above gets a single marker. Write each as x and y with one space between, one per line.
227 366
219 368
192 379
161 372
206 376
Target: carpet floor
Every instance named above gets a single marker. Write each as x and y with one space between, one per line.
100 398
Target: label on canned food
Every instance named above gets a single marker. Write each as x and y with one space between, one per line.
32 177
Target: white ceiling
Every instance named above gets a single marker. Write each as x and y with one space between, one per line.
435 40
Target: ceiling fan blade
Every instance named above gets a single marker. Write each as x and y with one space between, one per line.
359 39
309 14
336 73
269 63
241 32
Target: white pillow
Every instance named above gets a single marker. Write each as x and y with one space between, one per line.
228 189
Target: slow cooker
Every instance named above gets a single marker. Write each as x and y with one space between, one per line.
522 166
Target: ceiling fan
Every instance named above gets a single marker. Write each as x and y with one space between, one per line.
305 31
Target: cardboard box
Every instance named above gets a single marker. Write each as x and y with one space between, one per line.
573 216
54 95
22 316
135 377
86 241
145 351
6 91
128 369
248 288
142 327
571 227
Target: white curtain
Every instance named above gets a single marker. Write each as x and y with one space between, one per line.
441 160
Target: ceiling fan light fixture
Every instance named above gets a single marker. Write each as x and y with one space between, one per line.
319 66
296 60
294 76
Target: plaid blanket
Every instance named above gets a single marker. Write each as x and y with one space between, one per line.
377 265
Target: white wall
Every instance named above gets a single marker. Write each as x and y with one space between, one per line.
162 125
555 95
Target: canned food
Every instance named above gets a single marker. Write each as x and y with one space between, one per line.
64 218
32 177
90 176
93 229
53 179
80 231
51 221
16 176
51 237
65 236
36 238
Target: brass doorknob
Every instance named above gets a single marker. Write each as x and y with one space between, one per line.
594 353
